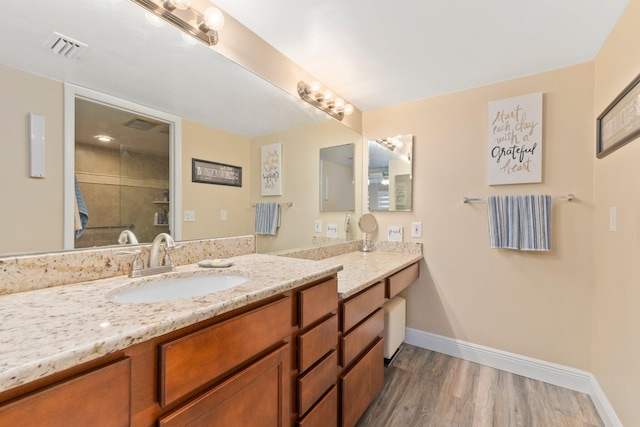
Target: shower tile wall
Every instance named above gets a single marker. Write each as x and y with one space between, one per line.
119 187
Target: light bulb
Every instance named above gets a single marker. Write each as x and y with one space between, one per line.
339 103
213 18
315 87
327 95
104 138
348 109
182 4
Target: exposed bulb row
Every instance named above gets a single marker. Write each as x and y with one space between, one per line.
212 18
327 98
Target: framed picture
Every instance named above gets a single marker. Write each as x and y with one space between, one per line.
271 170
515 140
619 123
215 173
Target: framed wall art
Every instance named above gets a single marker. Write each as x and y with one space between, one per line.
271 170
619 123
215 173
515 140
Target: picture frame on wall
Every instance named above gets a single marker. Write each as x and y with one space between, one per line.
619 123
271 170
215 173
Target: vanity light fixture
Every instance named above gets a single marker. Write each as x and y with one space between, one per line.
201 25
324 100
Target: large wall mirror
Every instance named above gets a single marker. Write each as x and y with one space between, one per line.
390 174
226 110
337 180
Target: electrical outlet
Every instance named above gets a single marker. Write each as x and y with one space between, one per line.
416 229
223 215
317 226
189 216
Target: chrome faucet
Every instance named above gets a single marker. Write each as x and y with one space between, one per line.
154 252
154 265
127 236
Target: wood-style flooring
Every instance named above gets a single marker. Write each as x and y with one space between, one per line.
428 389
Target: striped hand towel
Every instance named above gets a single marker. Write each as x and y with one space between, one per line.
503 221
535 222
267 218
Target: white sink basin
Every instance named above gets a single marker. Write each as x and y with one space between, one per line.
172 288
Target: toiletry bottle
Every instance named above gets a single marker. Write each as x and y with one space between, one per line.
155 218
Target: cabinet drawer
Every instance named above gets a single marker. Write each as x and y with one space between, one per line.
402 279
324 414
361 337
316 382
357 308
317 342
100 396
256 396
189 362
361 384
316 302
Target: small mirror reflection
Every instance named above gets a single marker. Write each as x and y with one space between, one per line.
337 184
390 174
122 175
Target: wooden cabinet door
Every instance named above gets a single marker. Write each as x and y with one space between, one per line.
360 384
98 398
257 396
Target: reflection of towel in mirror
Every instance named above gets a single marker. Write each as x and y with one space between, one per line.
83 214
267 218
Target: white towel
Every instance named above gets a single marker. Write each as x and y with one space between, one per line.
267 218
503 221
535 222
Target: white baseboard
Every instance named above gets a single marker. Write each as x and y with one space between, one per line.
563 376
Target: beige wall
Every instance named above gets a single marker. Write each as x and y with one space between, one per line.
300 183
207 200
533 304
40 200
616 304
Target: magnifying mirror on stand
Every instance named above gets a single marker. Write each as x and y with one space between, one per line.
367 225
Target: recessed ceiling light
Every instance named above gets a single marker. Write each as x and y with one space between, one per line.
103 138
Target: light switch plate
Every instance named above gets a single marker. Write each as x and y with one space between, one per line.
223 215
189 216
317 226
332 230
613 219
416 229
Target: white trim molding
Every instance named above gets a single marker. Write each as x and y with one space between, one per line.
563 376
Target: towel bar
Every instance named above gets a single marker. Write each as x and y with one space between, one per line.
288 204
568 197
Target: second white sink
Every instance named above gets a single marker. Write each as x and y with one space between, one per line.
167 289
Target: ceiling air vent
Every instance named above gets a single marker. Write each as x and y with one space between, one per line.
140 124
64 46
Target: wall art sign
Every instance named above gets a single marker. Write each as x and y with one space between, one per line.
215 173
271 170
515 140
619 123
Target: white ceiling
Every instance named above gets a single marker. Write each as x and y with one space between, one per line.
378 53
132 59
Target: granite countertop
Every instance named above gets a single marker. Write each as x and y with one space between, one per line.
49 330
363 269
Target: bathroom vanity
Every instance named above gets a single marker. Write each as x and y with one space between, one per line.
298 344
